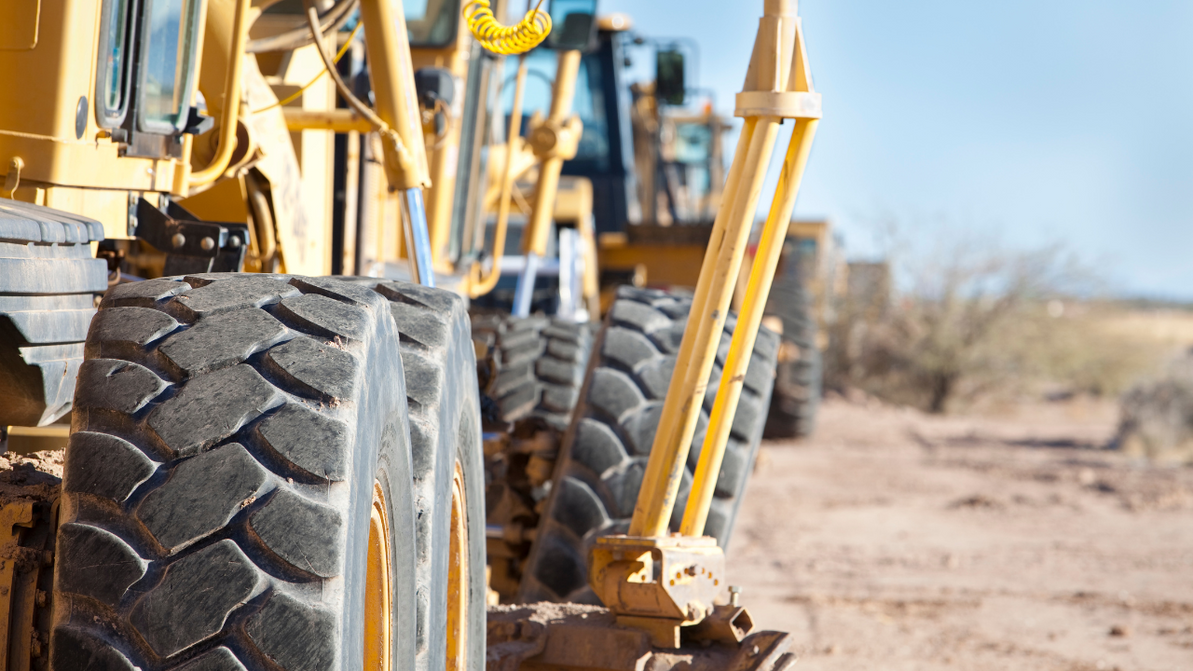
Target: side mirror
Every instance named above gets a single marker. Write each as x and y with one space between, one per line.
574 24
669 76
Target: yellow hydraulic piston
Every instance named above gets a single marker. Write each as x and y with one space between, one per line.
762 273
796 100
482 283
649 578
554 141
777 86
392 75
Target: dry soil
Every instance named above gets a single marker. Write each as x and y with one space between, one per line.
894 540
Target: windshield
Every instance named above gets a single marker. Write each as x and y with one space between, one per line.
431 23
589 101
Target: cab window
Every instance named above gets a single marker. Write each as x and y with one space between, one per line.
588 103
167 64
431 23
112 82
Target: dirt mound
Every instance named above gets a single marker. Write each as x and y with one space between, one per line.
34 476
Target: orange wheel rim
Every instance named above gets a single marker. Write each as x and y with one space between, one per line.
378 588
457 579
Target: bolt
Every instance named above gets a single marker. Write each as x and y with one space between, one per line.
734 595
178 240
207 244
234 242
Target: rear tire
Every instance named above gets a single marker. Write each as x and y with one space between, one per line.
605 451
539 363
231 436
798 373
535 370
49 280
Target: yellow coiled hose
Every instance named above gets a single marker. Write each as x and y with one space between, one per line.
506 40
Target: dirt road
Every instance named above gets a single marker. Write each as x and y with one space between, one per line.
894 541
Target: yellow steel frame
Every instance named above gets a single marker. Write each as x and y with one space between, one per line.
778 86
231 102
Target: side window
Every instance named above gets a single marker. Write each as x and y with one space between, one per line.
431 23
111 84
168 43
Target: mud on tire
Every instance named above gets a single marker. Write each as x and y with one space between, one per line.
605 451
229 434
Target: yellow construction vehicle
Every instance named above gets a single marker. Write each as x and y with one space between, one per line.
283 470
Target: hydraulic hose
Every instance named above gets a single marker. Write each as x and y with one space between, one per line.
507 40
387 133
330 23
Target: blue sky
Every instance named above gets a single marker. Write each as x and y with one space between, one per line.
1026 123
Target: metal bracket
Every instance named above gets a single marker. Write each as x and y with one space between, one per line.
191 245
658 584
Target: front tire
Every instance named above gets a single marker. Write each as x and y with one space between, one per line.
235 440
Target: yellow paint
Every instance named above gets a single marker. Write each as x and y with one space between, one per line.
534 238
749 319
18 30
231 109
458 578
778 67
714 291
378 615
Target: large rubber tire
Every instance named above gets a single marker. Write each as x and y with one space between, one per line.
445 432
798 374
540 364
605 451
534 371
49 280
230 433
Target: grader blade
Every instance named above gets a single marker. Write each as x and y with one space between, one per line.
543 636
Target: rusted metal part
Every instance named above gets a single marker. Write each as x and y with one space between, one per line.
27 529
658 583
573 637
726 624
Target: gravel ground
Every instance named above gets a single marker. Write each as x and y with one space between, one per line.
894 540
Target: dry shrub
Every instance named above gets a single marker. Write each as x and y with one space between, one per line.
1157 416
971 322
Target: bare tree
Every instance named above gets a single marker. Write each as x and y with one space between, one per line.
964 319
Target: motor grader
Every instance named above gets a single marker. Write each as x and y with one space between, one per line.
651 153
281 469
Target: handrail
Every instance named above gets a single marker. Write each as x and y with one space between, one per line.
228 120
479 284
